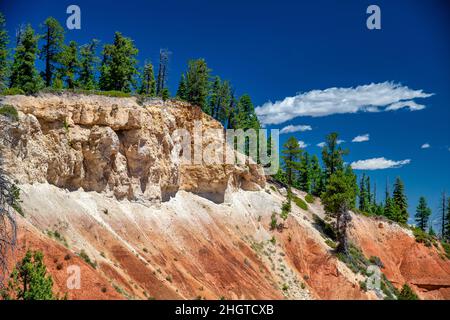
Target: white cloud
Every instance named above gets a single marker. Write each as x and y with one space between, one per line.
425 146
340 141
361 138
322 144
375 97
378 163
291 129
302 144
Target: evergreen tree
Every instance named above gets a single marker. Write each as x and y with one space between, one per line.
165 94
363 199
51 50
148 83
181 92
400 201
291 154
23 73
305 173
88 62
118 70
422 214
332 154
339 197
29 280
431 231
197 80
213 98
246 117
316 177
444 217
369 195
447 225
4 52
69 64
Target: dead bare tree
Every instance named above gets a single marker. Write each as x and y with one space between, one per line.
8 227
163 71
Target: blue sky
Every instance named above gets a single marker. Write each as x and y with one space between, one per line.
278 49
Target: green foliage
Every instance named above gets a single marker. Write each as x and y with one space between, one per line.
309 198
52 49
285 209
24 75
291 154
304 174
446 247
423 237
376 261
197 78
407 293
58 237
299 202
325 228
340 192
273 240
9 111
401 214
4 52
331 243
182 88
273 221
12 92
423 212
29 279
219 101
83 255
332 155
148 83
355 259
165 94
70 64
88 62
118 69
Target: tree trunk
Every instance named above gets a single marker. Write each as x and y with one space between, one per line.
342 221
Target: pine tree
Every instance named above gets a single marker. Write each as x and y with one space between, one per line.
69 64
181 92
118 70
431 231
291 154
305 173
316 177
400 201
165 94
369 195
4 52
29 279
332 154
88 62
447 225
23 73
363 205
148 83
339 197
51 50
197 80
444 218
246 117
422 214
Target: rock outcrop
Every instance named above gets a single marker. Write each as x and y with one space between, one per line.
116 146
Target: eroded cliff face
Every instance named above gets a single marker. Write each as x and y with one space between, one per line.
102 173
115 146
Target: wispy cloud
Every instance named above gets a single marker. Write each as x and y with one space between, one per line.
321 144
374 97
361 138
302 144
425 146
378 164
299 128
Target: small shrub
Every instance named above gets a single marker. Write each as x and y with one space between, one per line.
407 293
309 198
9 111
169 278
331 243
285 287
83 255
104 289
363 286
12 92
325 228
446 247
423 237
376 261
59 266
145 250
285 209
273 221
300 203
67 257
273 240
